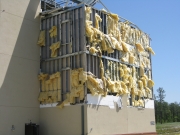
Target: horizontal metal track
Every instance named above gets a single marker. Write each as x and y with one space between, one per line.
64 56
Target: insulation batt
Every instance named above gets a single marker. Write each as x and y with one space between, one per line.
88 12
141 70
93 50
150 83
89 31
42 77
110 46
139 47
97 19
131 58
150 50
141 102
116 44
53 31
82 76
41 40
124 46
54 48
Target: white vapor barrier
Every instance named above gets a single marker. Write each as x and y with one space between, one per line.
149 103
48 105
109 100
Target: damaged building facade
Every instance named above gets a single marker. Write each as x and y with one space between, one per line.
95 74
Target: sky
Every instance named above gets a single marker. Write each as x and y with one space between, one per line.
161 20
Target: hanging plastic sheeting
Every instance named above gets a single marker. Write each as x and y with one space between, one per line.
54 48
41 40
53 31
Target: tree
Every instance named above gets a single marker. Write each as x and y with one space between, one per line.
161 96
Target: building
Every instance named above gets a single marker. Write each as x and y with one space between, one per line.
20 66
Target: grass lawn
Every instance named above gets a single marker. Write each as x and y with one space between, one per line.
168 128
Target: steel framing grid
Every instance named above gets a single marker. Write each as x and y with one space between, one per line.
73 53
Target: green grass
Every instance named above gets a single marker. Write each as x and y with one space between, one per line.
168 128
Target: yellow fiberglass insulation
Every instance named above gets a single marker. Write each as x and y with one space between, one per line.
150 83
54 48
92 89
141 102
110 85
65 101
114 16
140 84
110 25
53 31
75 92
42 77
89 31
49 85
118 89
82 76
139 47
54 96
144 80
43 96
104 46
117 44
134 72
125 47
141 70
131 58
41 40
55 79
130 79
97 20
134 91
93 50
125 78
59 95
110 46
121 71
125 69
101 69
98 35
75 78
88 12
147 90
150 50
125 57
124 88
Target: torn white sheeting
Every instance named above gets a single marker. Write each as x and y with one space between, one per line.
52 105
149 103
48 105
109 100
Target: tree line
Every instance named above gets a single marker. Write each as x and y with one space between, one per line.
164 111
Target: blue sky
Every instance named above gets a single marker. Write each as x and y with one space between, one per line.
160 19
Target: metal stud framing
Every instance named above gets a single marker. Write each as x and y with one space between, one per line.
72 53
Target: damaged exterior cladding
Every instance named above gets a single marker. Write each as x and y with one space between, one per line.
96 75
95 72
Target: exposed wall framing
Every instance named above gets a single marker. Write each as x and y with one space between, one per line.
73 53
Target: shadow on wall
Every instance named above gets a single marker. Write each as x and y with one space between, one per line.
20 60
